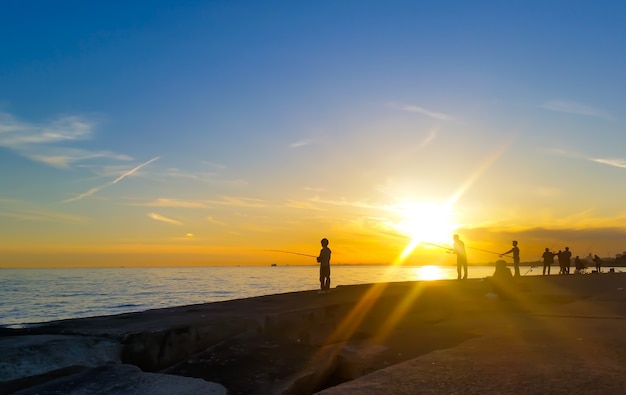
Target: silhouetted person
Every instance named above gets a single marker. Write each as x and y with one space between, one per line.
515 251
579 264
548 260
461 257
501 279
502 271
324 261
598 261
567 260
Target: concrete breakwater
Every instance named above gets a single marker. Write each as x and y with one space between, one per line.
294 343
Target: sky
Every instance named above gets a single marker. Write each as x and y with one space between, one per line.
236 133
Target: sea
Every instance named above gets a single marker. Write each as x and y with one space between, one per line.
31 296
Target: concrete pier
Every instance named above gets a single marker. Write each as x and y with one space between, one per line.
540 334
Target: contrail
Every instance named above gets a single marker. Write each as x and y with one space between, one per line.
84 194
118 179
131 172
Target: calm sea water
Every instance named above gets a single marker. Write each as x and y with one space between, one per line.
40 295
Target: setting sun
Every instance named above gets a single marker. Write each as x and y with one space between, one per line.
424 223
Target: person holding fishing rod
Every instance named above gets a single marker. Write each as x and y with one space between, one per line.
548 260
324 261
461 257
515 251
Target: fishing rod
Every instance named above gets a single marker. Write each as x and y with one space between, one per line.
490 252
472 248
293 253
449 249
438 246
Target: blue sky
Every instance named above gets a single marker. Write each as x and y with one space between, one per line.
216 129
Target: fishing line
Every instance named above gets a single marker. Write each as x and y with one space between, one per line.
471 248
437 245
293 253
490 252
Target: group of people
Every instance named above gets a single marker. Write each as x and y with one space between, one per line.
461 257
459 249
565 261
564 257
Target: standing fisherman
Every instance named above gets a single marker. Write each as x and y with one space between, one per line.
567 260
548 260
598 261
515 251
461 257
559 256
324 261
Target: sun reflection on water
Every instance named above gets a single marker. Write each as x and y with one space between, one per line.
429 272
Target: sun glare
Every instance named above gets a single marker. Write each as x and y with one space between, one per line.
425 223
428 273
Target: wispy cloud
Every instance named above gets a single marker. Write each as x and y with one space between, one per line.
115 181
423 111
215 165
43 216
239 202
432 114
575 108
165 202
44 142
428 139
579 222
213 220
177 173
346 203
158 217
302 205
300 143
615 162
65 157
611 162
15 209
14 133
208 177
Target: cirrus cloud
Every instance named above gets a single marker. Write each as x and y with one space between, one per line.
159 217
44 142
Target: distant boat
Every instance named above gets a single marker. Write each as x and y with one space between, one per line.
273 264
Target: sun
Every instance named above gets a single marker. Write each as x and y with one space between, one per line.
425 223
